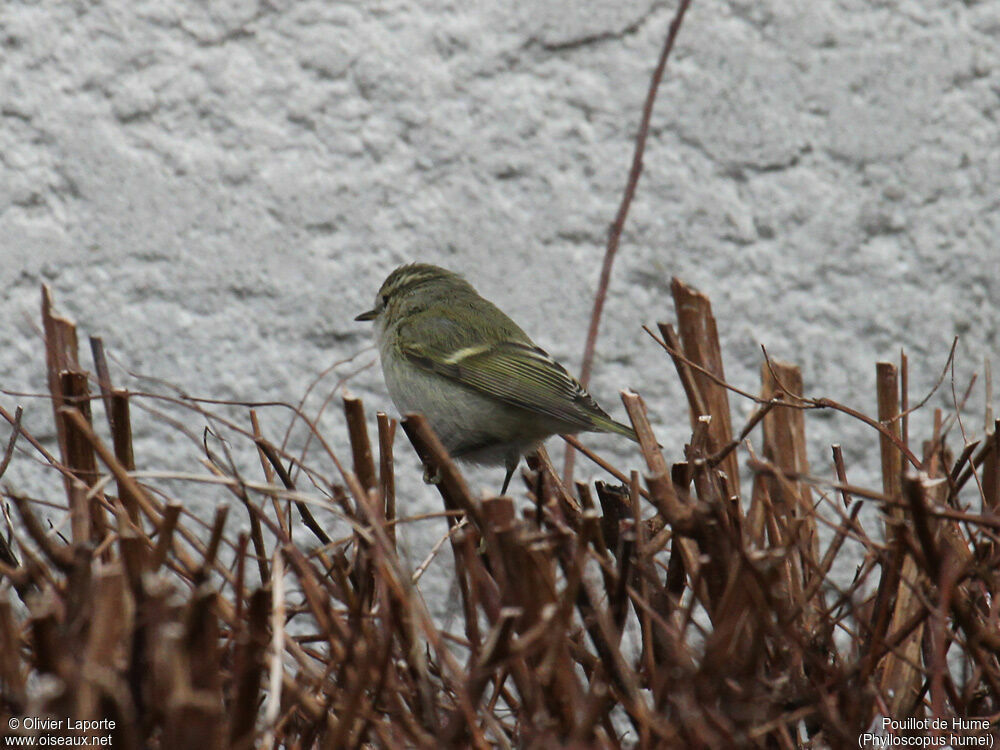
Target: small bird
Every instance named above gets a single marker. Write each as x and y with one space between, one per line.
486 389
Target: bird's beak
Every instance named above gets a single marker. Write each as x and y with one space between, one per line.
370 315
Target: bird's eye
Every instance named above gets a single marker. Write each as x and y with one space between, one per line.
385 300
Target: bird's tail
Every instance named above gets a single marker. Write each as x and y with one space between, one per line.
607 424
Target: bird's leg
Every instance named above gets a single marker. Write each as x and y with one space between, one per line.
431 476
511 464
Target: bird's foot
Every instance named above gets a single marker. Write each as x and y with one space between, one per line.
431 475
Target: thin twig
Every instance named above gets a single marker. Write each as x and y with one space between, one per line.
615 231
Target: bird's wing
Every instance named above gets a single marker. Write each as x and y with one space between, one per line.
520 374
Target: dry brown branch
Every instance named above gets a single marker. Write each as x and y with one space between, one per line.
618 225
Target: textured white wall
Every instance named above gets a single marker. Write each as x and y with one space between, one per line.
218 188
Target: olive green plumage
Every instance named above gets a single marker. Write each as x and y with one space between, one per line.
488 391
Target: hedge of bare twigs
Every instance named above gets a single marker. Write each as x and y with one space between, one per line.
744 639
